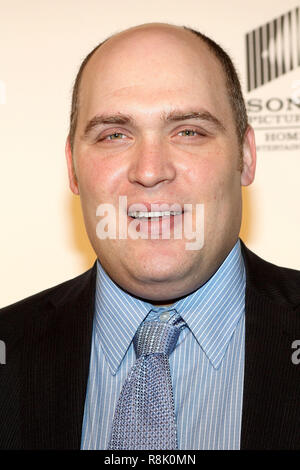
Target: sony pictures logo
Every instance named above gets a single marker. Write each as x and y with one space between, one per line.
273 50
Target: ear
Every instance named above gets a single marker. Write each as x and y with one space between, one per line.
249 157
73 183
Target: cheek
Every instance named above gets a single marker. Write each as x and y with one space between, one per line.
96 176
205 178
215 182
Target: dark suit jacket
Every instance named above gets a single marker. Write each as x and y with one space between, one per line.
48 340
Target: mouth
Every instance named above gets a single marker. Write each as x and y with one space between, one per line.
159 220
152 215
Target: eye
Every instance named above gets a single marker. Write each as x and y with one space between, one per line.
114 136
188 133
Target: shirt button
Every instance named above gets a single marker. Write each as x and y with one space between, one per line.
164 316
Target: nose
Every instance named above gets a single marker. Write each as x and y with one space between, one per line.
151 164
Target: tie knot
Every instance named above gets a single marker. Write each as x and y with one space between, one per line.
157 337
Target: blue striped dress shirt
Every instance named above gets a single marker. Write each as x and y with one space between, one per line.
207 365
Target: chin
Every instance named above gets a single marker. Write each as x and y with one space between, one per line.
160 271
160 290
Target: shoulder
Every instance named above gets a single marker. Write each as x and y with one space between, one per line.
279 284
49 299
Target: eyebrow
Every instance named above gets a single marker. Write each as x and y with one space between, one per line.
202 115
100 119
173 116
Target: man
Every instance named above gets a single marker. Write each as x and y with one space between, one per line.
158 122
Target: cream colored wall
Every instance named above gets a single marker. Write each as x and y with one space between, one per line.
42 43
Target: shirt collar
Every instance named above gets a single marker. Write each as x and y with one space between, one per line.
117 317
211 313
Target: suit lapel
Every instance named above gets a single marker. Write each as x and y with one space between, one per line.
271 379
56 365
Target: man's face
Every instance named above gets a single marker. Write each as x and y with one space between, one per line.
155 125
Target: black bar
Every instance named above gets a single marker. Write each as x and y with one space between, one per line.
268 46
254 58
262 80
248 62
290 39
275 45
283 70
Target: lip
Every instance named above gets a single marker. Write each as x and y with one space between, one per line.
161 227
154 206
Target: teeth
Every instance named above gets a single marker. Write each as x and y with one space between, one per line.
140 214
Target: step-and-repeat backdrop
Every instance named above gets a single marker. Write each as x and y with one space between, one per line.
43 240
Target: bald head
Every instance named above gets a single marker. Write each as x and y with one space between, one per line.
140 45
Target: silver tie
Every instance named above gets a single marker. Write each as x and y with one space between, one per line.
145 416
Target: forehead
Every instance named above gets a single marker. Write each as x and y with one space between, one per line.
153 66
